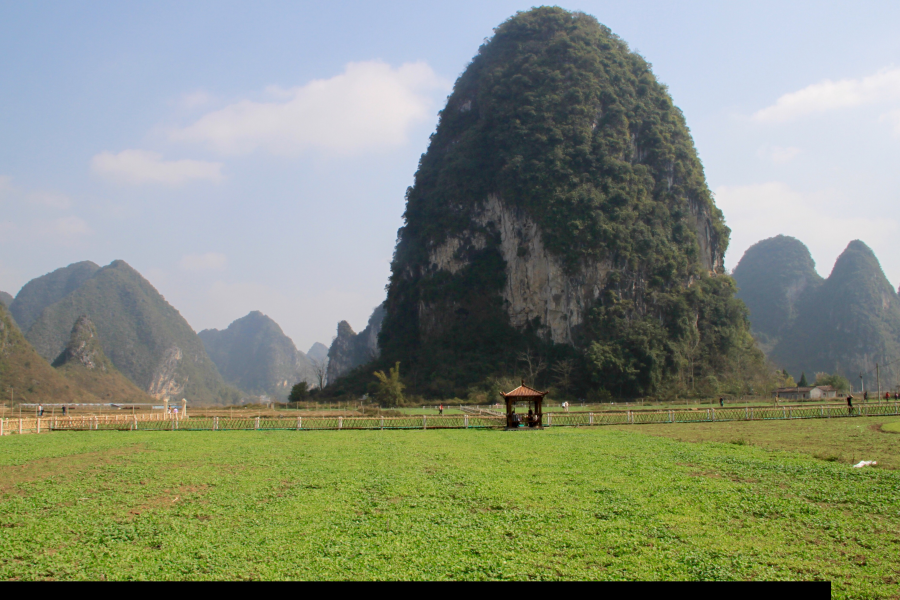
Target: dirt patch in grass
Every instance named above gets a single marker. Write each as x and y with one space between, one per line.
64 466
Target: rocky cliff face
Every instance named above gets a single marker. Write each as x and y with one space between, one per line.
350 350
84 348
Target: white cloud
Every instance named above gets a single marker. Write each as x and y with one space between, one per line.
8 191
778 154
211 261
195 99
141 166
819 220
370 105
70 226
828 95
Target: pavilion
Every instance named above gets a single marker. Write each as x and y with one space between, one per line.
526 394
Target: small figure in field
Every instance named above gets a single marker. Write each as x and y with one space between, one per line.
441 410
40 410
850 404
722 402
175 412
566 405
887 395
866 396
64 411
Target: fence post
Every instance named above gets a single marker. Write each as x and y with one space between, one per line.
707 414
135 422
590 418
300 422
20 426
257 423
38 424
424 422
340 422
382 421
215 423
549 419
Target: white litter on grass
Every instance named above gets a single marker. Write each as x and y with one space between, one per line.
865 463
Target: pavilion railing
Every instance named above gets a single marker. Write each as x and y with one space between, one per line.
163 422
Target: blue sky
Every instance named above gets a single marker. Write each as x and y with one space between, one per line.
254 156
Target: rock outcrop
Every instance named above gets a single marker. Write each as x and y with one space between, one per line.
84 363
350 350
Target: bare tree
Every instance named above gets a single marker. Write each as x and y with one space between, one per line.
320 369
533 362
562 372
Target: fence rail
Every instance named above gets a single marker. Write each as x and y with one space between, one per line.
163 422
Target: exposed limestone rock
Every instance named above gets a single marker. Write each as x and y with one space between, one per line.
350 350
164 382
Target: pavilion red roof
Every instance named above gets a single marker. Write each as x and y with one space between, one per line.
523 391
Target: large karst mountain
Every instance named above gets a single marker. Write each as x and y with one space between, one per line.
84 363
772 276
48 289
142 334
561 207
846 324
254 354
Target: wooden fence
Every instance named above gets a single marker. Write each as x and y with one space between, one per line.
163 422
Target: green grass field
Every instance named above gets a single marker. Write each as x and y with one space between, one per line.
601 503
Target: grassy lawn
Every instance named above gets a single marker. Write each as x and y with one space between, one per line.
601 503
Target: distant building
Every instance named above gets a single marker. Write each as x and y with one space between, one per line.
806 393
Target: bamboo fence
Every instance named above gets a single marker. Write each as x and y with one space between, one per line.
164 422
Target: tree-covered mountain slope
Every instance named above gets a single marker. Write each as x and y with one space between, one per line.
41 292
84 363
350 350
561 207
771 277
254 354
143 335
25 376
6 299
851 322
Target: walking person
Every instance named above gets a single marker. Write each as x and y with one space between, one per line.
441 410
40 410
722 402
850 404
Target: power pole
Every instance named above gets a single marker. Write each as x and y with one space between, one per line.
878 380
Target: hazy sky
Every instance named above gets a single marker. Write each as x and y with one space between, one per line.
254 155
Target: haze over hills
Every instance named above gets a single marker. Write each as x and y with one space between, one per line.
41 292
254 354
561 208
846 324
144 337
772 276
318 352
25 376
350 349
84 363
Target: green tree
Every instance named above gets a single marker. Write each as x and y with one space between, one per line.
299 392
803 382
835 380
390 388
